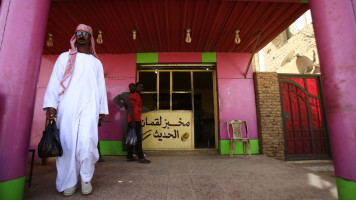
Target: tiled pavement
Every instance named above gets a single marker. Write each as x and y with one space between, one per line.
192 176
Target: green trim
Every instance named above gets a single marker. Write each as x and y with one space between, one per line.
111 148
147 58
12 189
346 189
209 57
304 1
224 147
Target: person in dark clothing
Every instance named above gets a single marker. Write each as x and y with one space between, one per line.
134 121
122 100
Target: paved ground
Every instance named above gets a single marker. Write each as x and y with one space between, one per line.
193 177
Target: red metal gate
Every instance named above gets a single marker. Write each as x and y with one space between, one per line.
305 129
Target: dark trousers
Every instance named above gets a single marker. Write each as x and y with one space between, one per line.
99 149
138 143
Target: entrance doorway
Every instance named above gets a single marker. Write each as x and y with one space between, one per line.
305 128
173 88
204 126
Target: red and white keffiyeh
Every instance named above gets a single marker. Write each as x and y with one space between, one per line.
72 55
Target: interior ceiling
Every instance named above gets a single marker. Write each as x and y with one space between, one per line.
161 24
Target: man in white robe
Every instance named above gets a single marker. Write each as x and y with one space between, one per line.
76 96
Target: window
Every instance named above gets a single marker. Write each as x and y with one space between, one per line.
166 89
149 96
182 91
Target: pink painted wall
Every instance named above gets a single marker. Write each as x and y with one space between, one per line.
179 57
236 94
120 70
39 118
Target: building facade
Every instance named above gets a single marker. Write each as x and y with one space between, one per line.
211 105
224 36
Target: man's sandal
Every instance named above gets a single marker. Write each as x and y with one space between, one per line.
132 159
143 160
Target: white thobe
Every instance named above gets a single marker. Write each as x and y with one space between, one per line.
78 112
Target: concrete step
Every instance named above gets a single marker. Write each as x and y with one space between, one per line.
181 152
315 165
322 167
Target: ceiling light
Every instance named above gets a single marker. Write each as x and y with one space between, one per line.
188 39
99 40
50 40
134 33
237 37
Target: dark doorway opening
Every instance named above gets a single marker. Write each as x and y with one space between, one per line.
204 124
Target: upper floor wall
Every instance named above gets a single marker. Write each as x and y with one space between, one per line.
292 51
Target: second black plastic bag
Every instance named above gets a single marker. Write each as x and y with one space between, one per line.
131 137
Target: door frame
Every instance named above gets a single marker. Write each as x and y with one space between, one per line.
191 68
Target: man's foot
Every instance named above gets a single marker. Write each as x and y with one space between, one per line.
132 159
144 160
101 159
86 188
70 191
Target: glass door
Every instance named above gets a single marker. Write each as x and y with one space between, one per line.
184 90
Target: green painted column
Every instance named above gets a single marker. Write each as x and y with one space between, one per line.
13 189
147 58
111 148
208 57
346 189
224 147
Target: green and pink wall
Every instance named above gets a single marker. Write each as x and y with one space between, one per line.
236 97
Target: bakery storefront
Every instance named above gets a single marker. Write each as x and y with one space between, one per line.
182 104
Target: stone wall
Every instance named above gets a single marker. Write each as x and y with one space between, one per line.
302 43
281 54
268 107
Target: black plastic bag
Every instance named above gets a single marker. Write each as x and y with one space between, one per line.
50 144
131 137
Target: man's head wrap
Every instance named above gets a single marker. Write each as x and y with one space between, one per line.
72 55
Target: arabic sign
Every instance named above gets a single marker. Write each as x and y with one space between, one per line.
167 130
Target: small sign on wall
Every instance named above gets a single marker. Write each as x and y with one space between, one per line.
165 130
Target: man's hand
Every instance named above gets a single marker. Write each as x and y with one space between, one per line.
101 117
51 113
131 113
